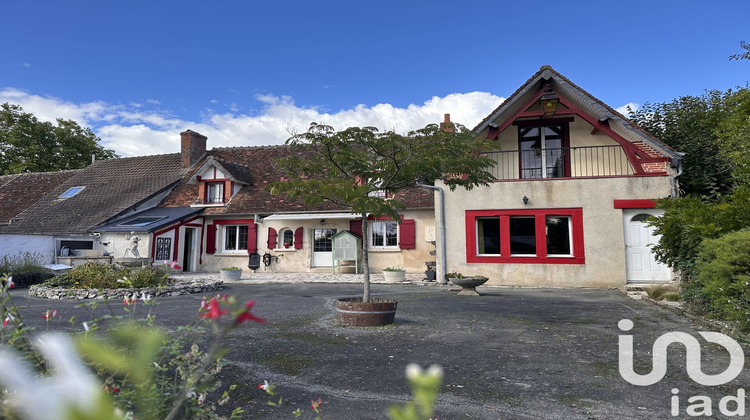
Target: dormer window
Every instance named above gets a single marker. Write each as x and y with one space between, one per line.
214 193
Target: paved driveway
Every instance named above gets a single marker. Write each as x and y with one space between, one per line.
513 353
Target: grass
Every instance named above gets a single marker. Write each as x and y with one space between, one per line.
287 363
665 291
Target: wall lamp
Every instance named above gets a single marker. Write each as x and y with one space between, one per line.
549 101
322 222
525 200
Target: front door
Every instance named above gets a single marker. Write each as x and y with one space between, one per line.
323 247
188 250
640 261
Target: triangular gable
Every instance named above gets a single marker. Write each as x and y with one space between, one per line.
640 147
233 171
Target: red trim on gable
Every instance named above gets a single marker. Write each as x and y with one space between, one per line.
635 204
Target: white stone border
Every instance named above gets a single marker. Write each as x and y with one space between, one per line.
181 288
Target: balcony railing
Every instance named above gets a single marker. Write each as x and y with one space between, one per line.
566 162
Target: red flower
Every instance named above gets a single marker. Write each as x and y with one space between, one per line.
315 405
247 315
174 265
50 314
212 310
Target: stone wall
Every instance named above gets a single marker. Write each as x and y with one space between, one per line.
181 288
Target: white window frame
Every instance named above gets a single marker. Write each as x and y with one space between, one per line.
212 188
384 230
225 237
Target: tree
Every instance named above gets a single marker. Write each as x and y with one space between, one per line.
348 167
30 145
734 130
690 124
744 55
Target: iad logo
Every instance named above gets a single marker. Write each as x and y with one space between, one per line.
702 404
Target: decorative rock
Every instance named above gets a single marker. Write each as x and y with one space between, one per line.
196 286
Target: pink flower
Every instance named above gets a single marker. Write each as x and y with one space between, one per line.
50 314
315 405
212 310
174 265
11 285
247 315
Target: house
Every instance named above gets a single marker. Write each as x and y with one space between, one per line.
576 182
239 217
17 193
61 223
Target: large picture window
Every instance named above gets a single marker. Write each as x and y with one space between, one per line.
384 234
543 236
235 238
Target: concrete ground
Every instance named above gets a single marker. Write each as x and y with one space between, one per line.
512 353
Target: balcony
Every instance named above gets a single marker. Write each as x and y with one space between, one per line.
566 162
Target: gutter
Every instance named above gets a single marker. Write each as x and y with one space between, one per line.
440 268
673 180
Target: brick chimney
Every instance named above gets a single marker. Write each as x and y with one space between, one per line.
447 124
192 147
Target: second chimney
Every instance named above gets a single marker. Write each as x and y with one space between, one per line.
192 147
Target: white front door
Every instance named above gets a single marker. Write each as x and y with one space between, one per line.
640 261
323 248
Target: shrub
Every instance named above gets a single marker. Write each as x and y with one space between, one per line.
723 274
104 276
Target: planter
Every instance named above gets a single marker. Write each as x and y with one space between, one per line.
231 275
355 313
394 276
469 284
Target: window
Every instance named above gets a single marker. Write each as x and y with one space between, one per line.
544 236
235 237
384 234
286 239
71 192
142 221
542 151
215 193
322 241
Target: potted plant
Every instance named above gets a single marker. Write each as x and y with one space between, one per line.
231 273
468 283
350 168
287 243
394 274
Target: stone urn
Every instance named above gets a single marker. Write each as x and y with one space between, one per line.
394 276
377 312
231 274
468 284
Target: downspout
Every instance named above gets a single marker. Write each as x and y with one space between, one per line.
440 268
673 180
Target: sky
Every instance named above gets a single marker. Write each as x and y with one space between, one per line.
248 73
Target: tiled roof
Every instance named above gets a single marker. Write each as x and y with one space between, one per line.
253 198
19 191
111 187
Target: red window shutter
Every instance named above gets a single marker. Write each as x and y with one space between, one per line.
298 238
210 239
252 238
355 226
272 238
407 234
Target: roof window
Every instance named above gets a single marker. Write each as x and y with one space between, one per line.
71 192
141 221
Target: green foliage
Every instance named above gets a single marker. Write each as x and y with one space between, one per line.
393 269
723 272
689 125
743 55
425 386
665 291
26 268
30 145
106 276
734 130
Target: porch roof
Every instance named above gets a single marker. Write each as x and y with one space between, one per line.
311 216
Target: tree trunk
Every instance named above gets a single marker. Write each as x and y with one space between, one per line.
365 260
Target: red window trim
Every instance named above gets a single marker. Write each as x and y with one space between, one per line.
576 216
635 204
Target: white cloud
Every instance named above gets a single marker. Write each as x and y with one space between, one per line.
624 109
133 130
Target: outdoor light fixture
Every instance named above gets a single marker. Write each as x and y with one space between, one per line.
322 222
549 102
525 200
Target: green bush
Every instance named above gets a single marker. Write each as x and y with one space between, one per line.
27 268
723 275
105 276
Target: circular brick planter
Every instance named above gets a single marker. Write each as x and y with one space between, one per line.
180 288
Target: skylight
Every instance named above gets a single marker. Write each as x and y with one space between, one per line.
71 192
141 221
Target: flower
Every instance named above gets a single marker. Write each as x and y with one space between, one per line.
145 297
70 387
8 319
130 300
247 315
11 285
315 405
212 309
50 314
174 265
264 386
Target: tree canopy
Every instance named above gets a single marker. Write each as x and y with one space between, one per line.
30 145
352 166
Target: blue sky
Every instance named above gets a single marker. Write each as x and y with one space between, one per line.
250 72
